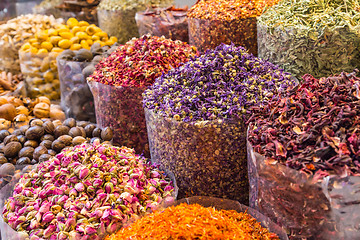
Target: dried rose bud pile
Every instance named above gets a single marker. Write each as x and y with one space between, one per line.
222 83
315 129
85 192
141 60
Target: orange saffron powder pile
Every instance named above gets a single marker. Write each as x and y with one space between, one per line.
195 222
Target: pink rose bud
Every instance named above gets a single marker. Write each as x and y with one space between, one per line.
49 231
73 193
89 230
84 172
109 187
155 174
79 187
62 236
47 217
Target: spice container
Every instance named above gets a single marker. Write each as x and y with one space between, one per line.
119 81
196 114
38 55
16 32
208 217
25 6
222 21
138 190
7 10
303 159
169 22
48 7
310 37
117 17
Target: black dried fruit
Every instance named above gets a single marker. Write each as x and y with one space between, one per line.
61 130
49 127
31 143
66 139
40 150
89 130
46 143
44 157
10 138
57 146
34 133
97 132
3 134
12 149
23 161
107 134
27 152
70 122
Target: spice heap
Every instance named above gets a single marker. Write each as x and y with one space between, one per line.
195 119
315 37
313 131
131 68
17 31
17 111
117 17
195 222
74 67
169 22
141 60
212 22
39 140
222 83
87 190
38 55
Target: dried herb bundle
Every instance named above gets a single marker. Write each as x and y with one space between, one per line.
319 37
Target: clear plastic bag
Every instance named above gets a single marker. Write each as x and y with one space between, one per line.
25 6
225 204
307 208
207 34
121 109
329 54
118 23
207 158
76 98
168 22
41 74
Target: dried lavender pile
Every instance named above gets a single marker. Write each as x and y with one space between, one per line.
309 143
195 119
119 81
86 192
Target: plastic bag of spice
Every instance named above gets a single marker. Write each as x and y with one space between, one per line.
76 98
118 23
6 232
200 155
207 34
40 73
307 207
169 22
121 109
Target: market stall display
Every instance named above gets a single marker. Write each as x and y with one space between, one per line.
196 114
320 38
304 158
11 84
170 22
25 6
212 22
119 81
202 217
48 7
78 193
16 32
76 98
117 17
38 55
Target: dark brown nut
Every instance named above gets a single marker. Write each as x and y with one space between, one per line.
36 122
17 132
27 152
10 138
83 55
66 139
24 129
88 70
51 152
78 140
107 134
89 130
7 111
3 159
31 143
83 133
46 143
7 169
70 122
49 127
57 146
40 150
35 133
22 139
2 145
3 134
75 131
97 132
82 124
23 161
12 149
44 157
47 137
61 130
